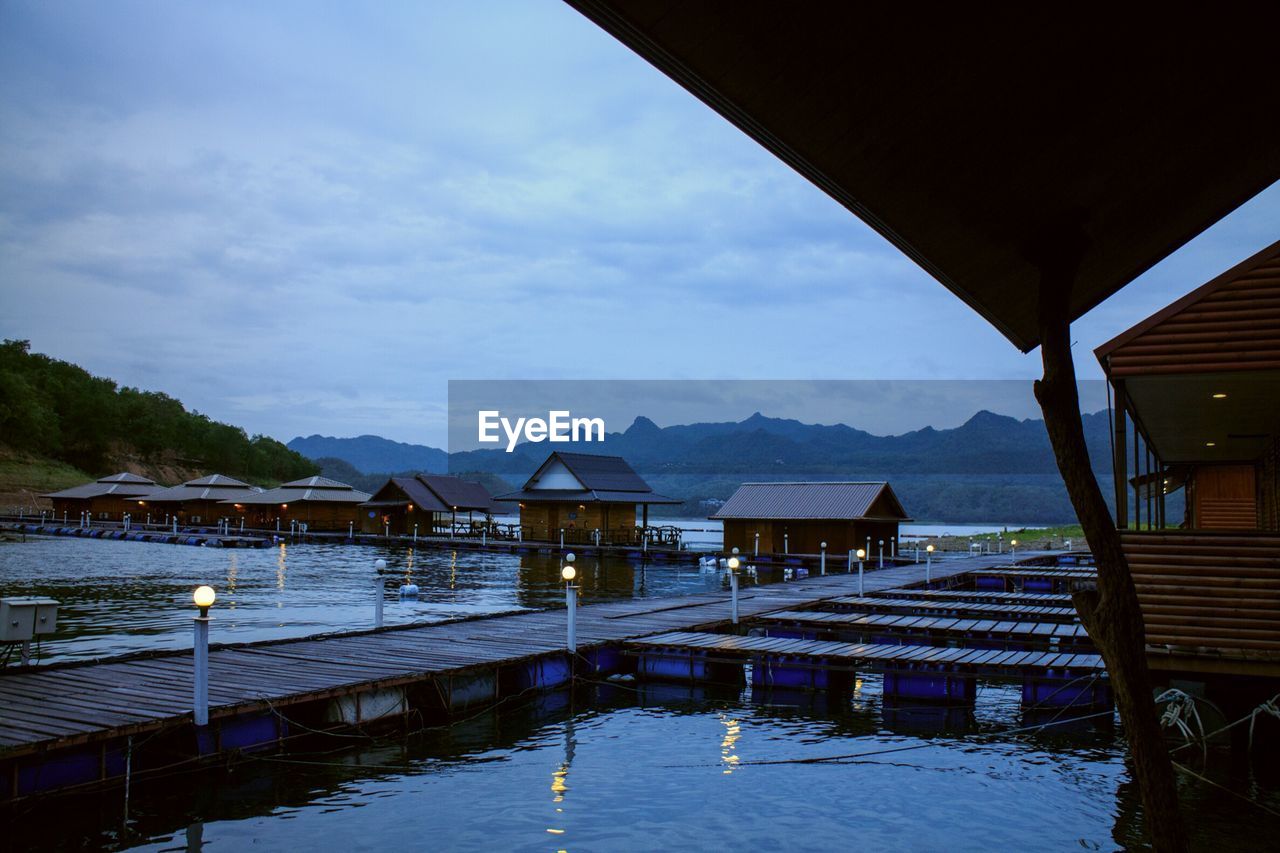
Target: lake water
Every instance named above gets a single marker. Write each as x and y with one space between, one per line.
120 596
653 767
621 766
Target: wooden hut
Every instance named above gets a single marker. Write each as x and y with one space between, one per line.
317 502
797 518
1196 386
581 493
429 503
205 500
106 499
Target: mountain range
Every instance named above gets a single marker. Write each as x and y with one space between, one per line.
991 468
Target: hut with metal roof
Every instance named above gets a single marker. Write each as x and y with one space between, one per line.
317 502
105 499
796 518
428 503
205 500
580 493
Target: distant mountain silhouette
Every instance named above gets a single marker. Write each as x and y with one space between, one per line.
371 454
990 468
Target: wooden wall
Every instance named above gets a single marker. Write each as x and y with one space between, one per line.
806 537
542 521
1226 497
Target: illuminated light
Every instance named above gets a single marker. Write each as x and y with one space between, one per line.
284 506
862 554
1220 396
1211 444
410 507
1013 542
929 549
555 831
204 597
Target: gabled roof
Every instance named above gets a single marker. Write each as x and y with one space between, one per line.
122 485
1231 323
434 493
988 148
582 496
215 487
306 490
611 473
814 501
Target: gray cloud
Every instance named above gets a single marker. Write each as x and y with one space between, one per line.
306 218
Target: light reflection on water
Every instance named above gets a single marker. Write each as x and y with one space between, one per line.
644 767
128 596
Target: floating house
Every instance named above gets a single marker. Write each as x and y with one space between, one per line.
796 518
1196 388
429 503
205 500
317 502
107 499
581 493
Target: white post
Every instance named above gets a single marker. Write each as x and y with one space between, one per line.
571 601
175 525
880 564
484 536
242 525
860 592
415 534
822 559
386 529
928 566
378 566
917 553
893 546
561 537
200 709
644 542
351 530
277 524
786 543
849 568
756 551
868 548
733 591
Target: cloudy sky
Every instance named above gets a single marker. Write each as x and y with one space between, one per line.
307 217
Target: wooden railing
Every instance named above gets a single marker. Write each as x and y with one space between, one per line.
1208 593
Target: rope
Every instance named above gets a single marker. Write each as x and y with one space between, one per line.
1179 713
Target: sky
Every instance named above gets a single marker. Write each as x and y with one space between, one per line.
309 217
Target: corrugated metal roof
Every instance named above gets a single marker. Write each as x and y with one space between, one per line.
122 485
457 492
315 483
833 501
327 491
587 496
596 472
215 487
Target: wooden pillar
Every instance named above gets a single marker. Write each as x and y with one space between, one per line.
1119 457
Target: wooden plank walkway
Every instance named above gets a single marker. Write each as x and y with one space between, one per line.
1017 661
65 705
921 607
1033 572
994 596
936 625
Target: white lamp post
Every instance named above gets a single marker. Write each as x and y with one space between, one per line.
756 551
822 558
786 543
379 566
928 566
203 597
1013 550
734 562
862 555
568 572
880 556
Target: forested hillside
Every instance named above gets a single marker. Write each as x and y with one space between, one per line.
56 410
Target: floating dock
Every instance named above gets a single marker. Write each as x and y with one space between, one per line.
83 724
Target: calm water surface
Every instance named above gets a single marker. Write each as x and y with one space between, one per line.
648 767
128 596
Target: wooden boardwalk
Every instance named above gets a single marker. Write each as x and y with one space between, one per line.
1016 661
923 607
83 703
922 627
988 595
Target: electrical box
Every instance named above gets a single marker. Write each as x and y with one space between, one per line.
24 617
